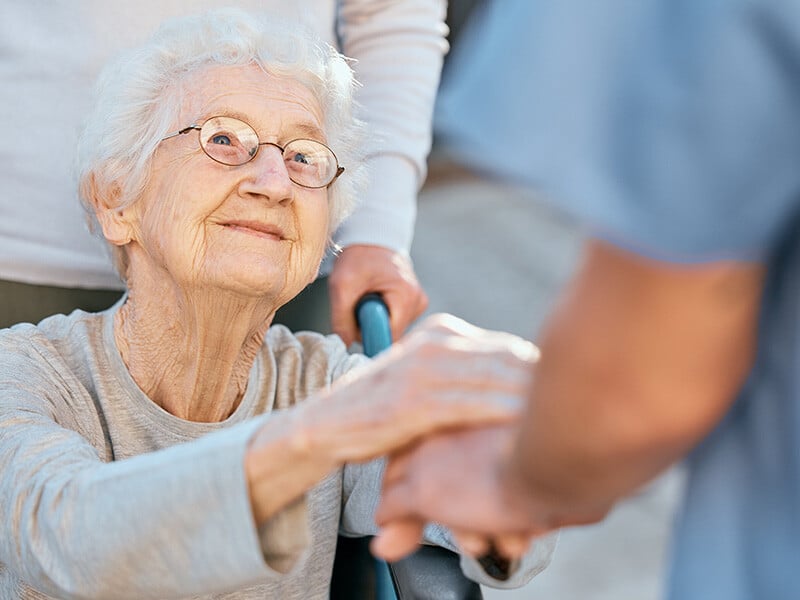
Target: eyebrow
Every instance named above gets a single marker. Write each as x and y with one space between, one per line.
307 130
301 130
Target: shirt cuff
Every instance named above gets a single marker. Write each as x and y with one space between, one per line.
531 564
520 572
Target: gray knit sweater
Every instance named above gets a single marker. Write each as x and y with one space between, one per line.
105 495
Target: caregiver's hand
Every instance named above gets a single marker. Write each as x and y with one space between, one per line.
455 479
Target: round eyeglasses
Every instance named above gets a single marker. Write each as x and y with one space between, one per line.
232 142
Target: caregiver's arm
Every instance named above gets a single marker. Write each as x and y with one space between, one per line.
640 360
398 49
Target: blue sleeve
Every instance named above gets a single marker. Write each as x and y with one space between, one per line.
671 127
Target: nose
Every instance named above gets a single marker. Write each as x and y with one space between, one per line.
267 177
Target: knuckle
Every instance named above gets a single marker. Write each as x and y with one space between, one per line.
423 301
442 323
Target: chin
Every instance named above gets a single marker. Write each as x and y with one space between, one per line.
250 275
265 286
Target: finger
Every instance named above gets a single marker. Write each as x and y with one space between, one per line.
397 503
512 545
343 321
453 358
397 539
473 544
422 303
399 315
414 428
444 324
405 305
431 379
459 409
385 428
397 466
436 426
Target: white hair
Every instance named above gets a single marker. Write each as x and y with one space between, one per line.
139 95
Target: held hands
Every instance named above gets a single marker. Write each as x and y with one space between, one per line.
445 374
456 479
361 269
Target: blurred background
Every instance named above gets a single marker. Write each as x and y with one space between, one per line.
492 252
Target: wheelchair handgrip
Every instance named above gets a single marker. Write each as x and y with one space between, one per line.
372 316
430 572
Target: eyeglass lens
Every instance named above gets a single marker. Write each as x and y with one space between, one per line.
234 142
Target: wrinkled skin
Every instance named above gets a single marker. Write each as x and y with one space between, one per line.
214 250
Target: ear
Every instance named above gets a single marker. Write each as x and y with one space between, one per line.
114 222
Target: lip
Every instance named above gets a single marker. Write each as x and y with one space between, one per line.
267 230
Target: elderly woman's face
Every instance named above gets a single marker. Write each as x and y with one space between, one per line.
245 228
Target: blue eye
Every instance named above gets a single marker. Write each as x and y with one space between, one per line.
221 139
301 158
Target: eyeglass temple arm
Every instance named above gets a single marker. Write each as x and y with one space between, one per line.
339 171
182 131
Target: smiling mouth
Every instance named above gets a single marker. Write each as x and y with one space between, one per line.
262 230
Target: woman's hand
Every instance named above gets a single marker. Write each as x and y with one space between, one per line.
446 374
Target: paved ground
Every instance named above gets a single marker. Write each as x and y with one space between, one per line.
494 255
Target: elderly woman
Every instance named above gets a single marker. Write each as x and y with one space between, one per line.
175 445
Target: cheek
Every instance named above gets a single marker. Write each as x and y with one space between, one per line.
313 220
170 227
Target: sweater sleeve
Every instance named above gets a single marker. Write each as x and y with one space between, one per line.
399 47
167 524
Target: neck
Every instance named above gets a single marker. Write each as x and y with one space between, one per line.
191 354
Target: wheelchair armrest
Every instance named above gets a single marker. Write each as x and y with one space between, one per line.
432 573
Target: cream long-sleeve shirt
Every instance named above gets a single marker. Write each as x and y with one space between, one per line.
52 50
105 495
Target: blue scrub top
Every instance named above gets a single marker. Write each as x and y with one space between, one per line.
671 128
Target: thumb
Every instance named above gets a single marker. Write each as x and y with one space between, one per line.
397 539
343 320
